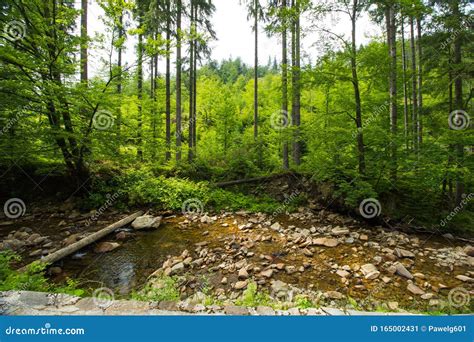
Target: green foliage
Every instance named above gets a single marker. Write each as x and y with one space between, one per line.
32 279
303 302
164 288
252 297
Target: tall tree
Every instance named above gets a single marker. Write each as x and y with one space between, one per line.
168 81
178 80
295 79
284 79
84 43
390 18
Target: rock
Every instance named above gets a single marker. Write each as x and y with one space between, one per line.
240 285
265 311
334 295
402 271
427 296
370 271
290 269
243 274
403 253
343 274
363 237
339 231
469 250
415 289
121 236
465 278
224 281
276 226
386 280
105 247
236 310
393 305
279 288
177 268
267 273
327 242
168 305
307 252
146 222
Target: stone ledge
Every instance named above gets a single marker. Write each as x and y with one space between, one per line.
23 303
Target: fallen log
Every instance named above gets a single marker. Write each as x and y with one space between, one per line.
253 180
64 252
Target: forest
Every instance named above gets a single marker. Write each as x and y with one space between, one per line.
372 133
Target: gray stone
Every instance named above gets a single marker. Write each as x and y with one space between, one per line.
146 222
402 271
236 310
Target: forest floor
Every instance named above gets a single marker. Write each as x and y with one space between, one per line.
303 259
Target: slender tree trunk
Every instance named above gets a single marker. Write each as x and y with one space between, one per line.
140 93
191 86
84 61
414 85
458 99
391 32
119 84
296 85
405 87
168 82
196 57
355 83
178 82
284 78
420 84
255 95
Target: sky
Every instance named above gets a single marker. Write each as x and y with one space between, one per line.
235 37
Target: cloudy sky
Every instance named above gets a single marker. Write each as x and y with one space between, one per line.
235 37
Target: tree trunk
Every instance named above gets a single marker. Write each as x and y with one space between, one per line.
84 62
191 86
458 99
140 94
405 87
391 32
420 84
355 83
178 82
284 91
196 57
414 85
296 84
168 82
255 94
119 84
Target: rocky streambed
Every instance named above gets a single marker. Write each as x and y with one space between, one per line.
302 259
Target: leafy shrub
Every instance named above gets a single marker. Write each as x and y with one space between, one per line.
251 297
164 288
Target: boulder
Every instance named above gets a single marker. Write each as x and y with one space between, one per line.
403 253
327 242
370 271
402 271
146 222
415 289
240 285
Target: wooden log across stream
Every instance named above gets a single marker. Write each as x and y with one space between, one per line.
64 252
